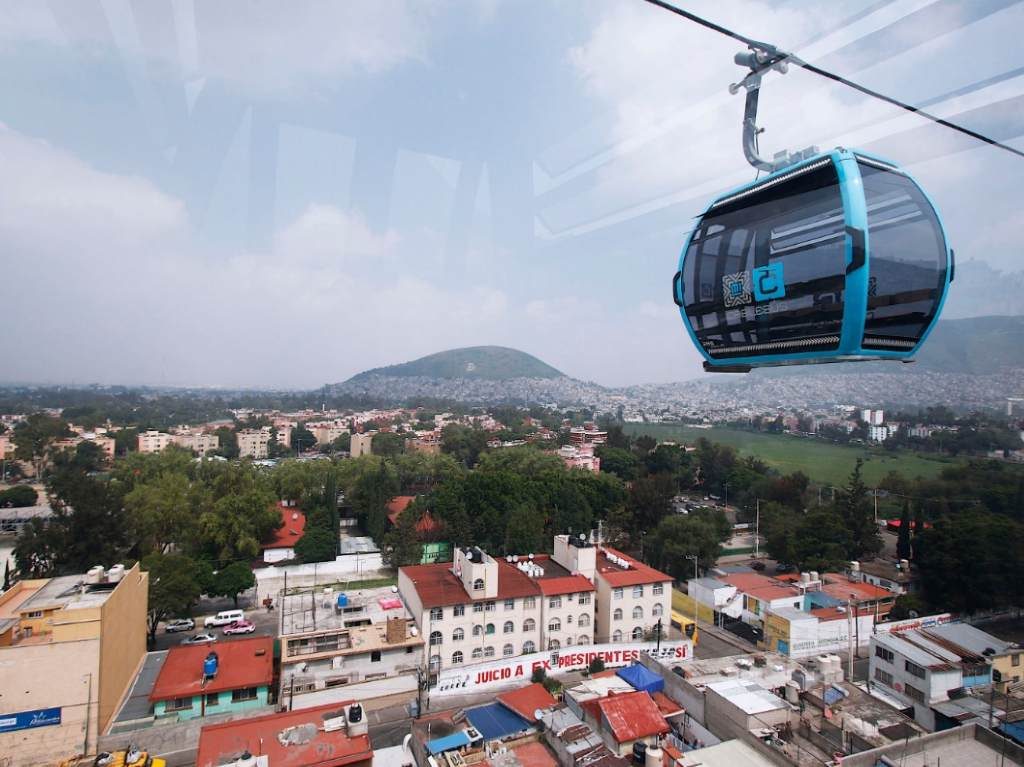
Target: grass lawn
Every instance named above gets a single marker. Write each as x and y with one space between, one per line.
824 462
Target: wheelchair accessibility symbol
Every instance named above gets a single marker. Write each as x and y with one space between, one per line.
768 282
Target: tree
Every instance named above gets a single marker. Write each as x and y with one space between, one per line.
344 442
402 545
387 443
232 580
903 539
463 443
126 441
234 526
524 532
19 496
677 536
160 513
317 545
174 586
856 514
370 497
649 500
596 666
274 448
32 437
7 574
302 438
622 463
228 441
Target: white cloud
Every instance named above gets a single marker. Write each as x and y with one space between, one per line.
326 234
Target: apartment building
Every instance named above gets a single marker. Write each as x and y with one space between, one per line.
480 608
326 432
361 444
921 667
580 457
153 441
196 441
252 443
631 597
587 434
333 639
70 647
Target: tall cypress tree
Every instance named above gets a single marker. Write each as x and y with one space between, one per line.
918 531
903 539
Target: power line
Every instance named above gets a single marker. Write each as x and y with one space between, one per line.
777 56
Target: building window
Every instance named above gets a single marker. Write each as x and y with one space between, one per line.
617 636
478 630
435 662
490 628
374 656
246 693
584 620
38 614
529 603
884 654
437 614
212 699
555 625
638 613
510 604
529 647
477 653
458 611
638 591
457 657
656 611
554 644
478 607
617 614
488 652
478 584
435 638
1015 659
489 606
509 627
658 589
507 650
458 635
584 599
529 625
617 593
884 677
555 602
179 704
584 639
638 632
913 693
913 668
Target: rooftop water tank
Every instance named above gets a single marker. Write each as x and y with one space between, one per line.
210 664
343 600
95 574
653 757
115 574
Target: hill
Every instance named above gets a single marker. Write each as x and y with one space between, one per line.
488 363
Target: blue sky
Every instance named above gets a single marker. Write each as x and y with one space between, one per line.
272 194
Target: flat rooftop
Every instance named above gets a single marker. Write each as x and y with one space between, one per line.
966 745
317 610
65 592
776 671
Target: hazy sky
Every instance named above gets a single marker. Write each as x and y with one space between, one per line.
284 194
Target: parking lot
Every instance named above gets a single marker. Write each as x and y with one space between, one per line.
266 621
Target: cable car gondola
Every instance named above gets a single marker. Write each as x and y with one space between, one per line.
833 257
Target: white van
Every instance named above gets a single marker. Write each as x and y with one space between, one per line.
224 617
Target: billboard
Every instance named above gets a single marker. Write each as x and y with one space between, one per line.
913 623
516 671
26 720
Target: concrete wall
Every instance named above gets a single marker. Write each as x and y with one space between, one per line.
268 579
677 688
122 639
61 675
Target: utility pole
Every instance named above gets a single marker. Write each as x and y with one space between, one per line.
657 647
849 637
693 597
88 711
757 526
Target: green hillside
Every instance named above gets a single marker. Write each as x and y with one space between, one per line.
494 363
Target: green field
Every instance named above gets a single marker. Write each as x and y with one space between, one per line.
824 462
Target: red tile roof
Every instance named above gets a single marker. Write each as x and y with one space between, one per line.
632 716
526 700
665 704
242 663
534 754
840 587
437 585
397 505
760 586
292 527
224 742
568 584
638 573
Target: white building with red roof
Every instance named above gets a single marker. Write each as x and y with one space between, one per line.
479 608
281 545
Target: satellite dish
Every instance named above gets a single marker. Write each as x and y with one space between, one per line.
583 537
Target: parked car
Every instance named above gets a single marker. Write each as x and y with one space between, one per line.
180 624
200 639
224 618
240 627
755 565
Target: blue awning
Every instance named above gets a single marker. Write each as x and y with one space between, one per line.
494 721
448 743
641 679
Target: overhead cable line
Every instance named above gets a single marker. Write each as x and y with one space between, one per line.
778 57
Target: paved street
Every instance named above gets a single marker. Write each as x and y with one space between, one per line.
266 622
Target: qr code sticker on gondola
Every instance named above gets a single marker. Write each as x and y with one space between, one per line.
736 289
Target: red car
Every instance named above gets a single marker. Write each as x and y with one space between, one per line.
240 627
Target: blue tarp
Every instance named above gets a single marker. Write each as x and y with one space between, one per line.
641 678
495 721
448 743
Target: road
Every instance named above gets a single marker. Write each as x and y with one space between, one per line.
266 622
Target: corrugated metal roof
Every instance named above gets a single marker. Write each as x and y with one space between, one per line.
632 716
